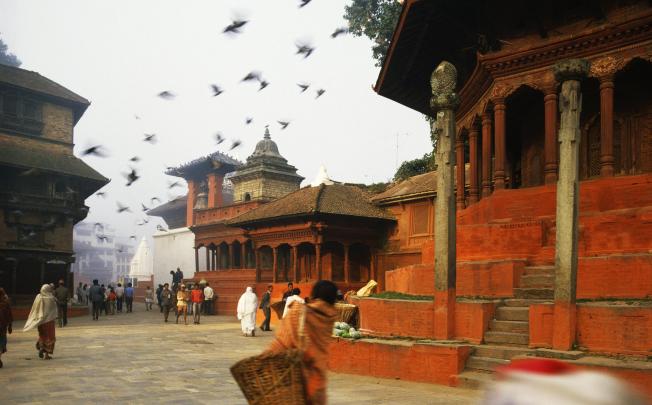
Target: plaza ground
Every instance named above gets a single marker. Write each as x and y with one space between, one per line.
136 358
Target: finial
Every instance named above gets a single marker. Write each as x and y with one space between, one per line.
443 81
267 136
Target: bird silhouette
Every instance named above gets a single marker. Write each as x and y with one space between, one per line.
132 237
216 90
95 151
263 84
142 222
284 124
303 86
219 138
132 177
122 208
102 238
135 159
101 194
253 75
153 199
136 117
174 184
151 138
234 27
304 3
145 209
320 92
166 95
235 144
339 31
305 50
248 120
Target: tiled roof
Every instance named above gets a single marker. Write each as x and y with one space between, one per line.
178 203
423 185
35 82
214 160
335 199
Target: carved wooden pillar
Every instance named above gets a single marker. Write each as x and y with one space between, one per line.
461 180
212 267
318 260
474 192
550 148
295 265
607 125
275 264
499 125
347 274
196 259
243 256
486 154
208 261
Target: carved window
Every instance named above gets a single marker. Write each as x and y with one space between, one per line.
20 113
420 219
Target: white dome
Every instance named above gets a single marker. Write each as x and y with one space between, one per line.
322 178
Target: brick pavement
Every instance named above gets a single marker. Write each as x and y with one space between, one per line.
136 358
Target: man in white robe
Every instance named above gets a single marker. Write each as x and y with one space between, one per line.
247 307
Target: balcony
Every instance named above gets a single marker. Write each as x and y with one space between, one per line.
207 216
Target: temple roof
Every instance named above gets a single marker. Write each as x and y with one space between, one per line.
215 162
178 204
26 79
415 187
335 199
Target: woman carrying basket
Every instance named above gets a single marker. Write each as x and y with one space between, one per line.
317 327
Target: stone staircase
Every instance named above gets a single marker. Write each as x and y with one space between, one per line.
508 334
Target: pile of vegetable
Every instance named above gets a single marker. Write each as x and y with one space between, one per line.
343 329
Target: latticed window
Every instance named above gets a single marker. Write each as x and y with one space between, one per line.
420 219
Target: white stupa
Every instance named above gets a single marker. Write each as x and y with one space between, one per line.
142 264
322 178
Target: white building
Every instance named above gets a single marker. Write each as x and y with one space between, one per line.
100 253
141 265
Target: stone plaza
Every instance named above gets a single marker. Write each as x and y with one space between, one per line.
137 359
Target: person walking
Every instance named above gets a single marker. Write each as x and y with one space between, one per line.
247 307
96 296
167 300
119 297
182 304
316 319
6 320
111 300
129 297
265 305
61 294
78 292
179 275
149 298
208 300
42 316
288 293
158 297
197 298
105 301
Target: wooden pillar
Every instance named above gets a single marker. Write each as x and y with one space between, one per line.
207 258
486 154
607 126
218 261
347 274
231 257
461 180
499 129
295 265
257 257
275 264
196 259
318 260
215 181
550 149
474 192
243 256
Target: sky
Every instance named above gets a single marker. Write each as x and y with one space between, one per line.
121 54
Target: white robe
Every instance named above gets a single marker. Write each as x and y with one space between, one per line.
290 300
247 307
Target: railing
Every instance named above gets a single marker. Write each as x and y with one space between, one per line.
218 214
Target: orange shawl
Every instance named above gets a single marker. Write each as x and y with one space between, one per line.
317 331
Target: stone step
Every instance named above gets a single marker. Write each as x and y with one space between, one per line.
475 379
509 326
484 363
535 293
538 281
522 302
501 352
507 338
539 270
512 314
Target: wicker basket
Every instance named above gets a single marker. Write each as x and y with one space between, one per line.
278 308
272 378
347 313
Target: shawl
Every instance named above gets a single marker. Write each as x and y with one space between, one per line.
43 310
247 304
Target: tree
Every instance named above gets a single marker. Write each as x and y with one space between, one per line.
414 167
376 20
6 57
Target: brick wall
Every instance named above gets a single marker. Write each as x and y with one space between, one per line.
58 122
380 317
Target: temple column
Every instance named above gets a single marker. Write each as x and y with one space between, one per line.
499 128
196 259
347 275
231 257
318 260
208 263
474 192
551 146
274 264
444 101
461 180
215 189
295 265
243 265
607 126
486 154
568 73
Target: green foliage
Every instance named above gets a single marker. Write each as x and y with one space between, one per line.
6 57
376 20
394 295
414 167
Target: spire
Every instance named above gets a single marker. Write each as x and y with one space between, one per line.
322 178
267 136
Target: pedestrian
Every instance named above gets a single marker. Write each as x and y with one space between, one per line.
129 297
6 319
295 297
166 300
174 280
61 294
247 307
105 301
265 305
42 316
85 294
79 293
149 298
112 298
208 300
158 297
189 290
119 297
96 297
288 292
197 297
317 318
179 276
182 304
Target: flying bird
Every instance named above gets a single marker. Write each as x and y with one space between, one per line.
102 238
263 84
132 177
94 150
253 75
151 200
174 184
284 124
136 117
98 225
132 237
305 50
339 31
122 208
303 86
101 194
235 144
135 159
142 222
320 92
304 3
234 27
219 138
248 120
144 207
216 90
151 138
166 95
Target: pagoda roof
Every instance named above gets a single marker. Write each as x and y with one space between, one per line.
412 188
215 162
335 199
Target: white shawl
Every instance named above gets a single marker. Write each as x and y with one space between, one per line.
247 307
44 309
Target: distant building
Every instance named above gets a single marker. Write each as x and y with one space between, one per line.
42 184
141 265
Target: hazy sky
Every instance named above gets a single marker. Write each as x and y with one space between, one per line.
121 54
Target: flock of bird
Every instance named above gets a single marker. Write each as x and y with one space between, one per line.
236 27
